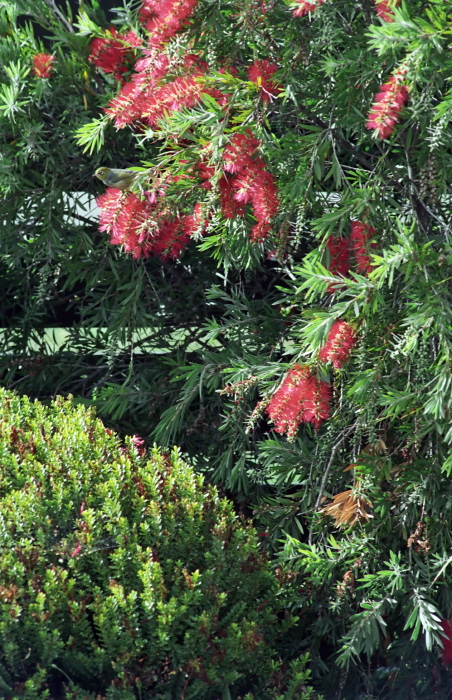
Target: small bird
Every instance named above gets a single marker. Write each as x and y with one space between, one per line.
116 178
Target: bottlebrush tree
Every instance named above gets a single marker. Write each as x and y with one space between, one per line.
273 295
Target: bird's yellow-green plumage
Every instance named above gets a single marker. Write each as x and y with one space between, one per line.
116 178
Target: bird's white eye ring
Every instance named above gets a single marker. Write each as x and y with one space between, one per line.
101 172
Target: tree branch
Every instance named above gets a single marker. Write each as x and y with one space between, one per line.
345 434
57 12
346 144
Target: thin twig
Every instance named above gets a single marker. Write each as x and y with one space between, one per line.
335 448
57 12
360 157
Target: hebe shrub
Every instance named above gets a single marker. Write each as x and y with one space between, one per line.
122 574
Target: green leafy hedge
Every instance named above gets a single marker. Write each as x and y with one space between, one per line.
122 575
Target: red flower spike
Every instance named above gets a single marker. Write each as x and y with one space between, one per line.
131 39
339 259
260 232
243 184
264 200
317 402
163 19
303 7
193 64
128 105
110 205
42 65
261 72
111 53
388 104
228 68
300 398
181 93
172 238
152 67
148 10
361 245
197 222
238 153
133 223
446 654
286 406
206 173
230 207
339 344
126 218
385 9
253 184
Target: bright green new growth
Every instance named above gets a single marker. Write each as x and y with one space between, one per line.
124 576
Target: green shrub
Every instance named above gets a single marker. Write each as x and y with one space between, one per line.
123 575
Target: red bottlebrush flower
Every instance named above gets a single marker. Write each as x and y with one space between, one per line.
230 207
253 184
197 222
317 406
237 154
388 104
146 97
302 397
303 7
166 18
193 64
135 224
287 403
111 53
446 654
206 173
339 259
173 235
361 245
264 200
257 186
385 8
131 40
42 65
260 231
247 176
172 238
127 219
243 184
148 10
151 68
110 205
228 68
339 344
261 72
183 92
128 105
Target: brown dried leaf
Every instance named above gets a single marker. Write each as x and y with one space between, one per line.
348 508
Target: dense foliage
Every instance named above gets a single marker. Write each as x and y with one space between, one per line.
273 295
123 575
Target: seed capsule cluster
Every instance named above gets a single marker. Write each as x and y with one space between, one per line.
428 180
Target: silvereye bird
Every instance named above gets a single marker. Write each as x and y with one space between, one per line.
117 178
